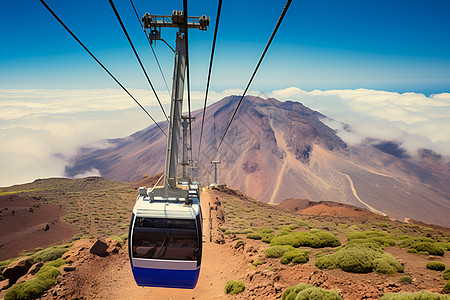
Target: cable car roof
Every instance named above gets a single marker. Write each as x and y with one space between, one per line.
160 208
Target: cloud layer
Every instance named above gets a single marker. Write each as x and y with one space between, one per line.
41 129
414 120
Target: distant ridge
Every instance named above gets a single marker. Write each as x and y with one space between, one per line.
278 150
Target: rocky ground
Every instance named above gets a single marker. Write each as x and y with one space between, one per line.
100 269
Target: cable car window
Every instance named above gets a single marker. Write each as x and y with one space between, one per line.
175 242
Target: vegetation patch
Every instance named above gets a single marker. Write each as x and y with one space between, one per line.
56 263
406 279
296 256
234 287
417 296
305 291
428 247
258 262
277 251
50 254
446 274
446 288
360 259
34 288
436 265
314 239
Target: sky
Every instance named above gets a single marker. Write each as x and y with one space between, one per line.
381 66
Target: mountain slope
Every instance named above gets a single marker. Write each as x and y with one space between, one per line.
277 150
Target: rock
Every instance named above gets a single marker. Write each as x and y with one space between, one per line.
25 278
113 246
278 286
99 248
35 268
76 250
17 269
4 285
47 227
69 268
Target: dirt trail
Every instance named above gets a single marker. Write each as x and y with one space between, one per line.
218 266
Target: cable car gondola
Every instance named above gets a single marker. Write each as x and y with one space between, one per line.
165 245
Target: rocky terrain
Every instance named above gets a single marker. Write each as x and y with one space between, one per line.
278 150
240 231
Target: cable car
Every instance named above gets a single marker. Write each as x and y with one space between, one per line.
165 244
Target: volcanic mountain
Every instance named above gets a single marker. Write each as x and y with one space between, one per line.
278 150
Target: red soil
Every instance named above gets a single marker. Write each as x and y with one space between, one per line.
22 225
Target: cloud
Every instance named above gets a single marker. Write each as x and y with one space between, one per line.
41 129
412 119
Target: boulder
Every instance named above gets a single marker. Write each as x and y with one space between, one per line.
75 252
17 269
99 248
35 268
113 246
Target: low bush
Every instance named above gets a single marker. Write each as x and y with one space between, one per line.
406 279
258 262
360 259
428 247
446 274
56 263
366 235
254 236
417 296
407 241
295 256
277 251
34 288
234 287
305 291
314 239
267 237
49 254
446 288
436 265
244 231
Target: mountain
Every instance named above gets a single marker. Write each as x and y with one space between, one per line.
278 150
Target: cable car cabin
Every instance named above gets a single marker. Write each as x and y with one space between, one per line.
165 244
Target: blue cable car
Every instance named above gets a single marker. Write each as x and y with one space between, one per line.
165 240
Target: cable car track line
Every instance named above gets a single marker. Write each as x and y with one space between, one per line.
104 68
280 19
219 8
185 10
137 56
151 47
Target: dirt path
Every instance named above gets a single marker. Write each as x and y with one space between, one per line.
218 266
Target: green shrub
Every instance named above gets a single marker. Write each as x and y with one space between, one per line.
267 237
265 230
49 254
258 262
244 231
234 287
406 279
56 263
254 236
305 291
423 295
446 288
314 239
295 256
413 251
34 288
446 274
436 265
366 235
407 241
430 248
360 259
277 251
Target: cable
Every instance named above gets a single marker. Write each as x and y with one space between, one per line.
104 68
136 54
219 7
280 19
151 47
187 70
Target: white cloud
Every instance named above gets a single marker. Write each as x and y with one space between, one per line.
36 124
414 120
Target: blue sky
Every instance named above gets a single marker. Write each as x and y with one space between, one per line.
385 45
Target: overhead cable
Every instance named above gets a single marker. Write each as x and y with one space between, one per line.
151 47
136 54
280 19
219 8
95 58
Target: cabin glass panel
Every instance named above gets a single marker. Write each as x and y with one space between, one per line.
172 239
